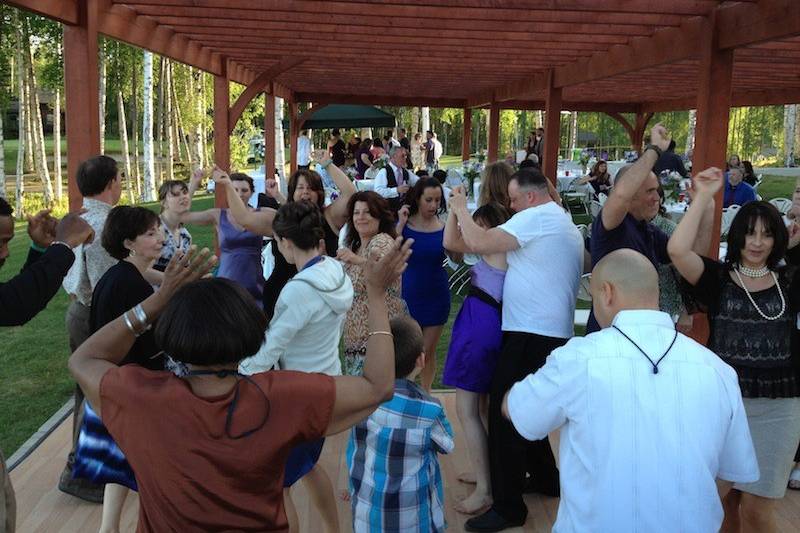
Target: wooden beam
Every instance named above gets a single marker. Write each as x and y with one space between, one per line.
222 141
713 111
81 84
739 99
767 20
257 86
494 133
466 136
64 11
379 99
552 129
269 133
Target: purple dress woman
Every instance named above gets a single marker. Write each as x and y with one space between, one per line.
240 256
477 332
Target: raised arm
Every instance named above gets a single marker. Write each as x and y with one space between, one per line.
476 238
259 222
453 241
680 245
207 217
357 397
616 207
195 181
109 345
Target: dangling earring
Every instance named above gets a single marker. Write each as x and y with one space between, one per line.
132 252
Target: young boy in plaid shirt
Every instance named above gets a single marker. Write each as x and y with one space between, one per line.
395 482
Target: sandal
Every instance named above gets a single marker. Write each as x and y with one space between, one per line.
794 479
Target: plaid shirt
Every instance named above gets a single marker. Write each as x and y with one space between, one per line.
395 483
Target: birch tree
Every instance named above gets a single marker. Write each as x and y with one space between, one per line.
573 132
414 121
690 133
426 120
168 122
789 128
135 130
149 185
101 67
159 125
123 135
280 158
37 133
22 122
57 145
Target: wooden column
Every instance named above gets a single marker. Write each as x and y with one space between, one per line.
466 136
552 130
222 141
639 129
713 111
269 132
293 132
494 133
81 84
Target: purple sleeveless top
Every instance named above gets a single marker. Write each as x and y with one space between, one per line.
488 278
240 256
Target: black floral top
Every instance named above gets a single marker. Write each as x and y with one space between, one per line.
171 245
759 350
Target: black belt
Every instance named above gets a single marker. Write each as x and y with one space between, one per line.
485 297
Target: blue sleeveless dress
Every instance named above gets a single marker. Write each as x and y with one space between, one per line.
425 287
240 256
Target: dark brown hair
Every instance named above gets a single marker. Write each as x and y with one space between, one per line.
412 199
301 223
744 224
166 188
492 214
125 222
314 181
408 344
378 208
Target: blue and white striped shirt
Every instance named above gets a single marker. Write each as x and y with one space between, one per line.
395 482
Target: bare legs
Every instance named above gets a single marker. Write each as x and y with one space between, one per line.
113 502
469 414
320 491
430 335
748 513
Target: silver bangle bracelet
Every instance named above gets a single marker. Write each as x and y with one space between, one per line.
141 316
128 323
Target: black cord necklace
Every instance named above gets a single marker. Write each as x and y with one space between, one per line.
655 365
232 407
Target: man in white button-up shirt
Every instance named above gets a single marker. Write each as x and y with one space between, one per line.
649 418
394 181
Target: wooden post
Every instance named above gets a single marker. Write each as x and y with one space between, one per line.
81 83
552 130
269 132
293 132
222 141
466 136
637 134
713 111
494 132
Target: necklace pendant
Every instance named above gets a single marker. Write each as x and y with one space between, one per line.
655 370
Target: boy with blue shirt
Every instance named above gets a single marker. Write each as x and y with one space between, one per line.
395 481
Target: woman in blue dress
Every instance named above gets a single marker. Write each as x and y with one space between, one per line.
424 285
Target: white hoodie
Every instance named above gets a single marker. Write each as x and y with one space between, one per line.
307 325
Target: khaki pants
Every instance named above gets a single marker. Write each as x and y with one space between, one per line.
78 329
8 504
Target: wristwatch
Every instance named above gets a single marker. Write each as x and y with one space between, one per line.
657 150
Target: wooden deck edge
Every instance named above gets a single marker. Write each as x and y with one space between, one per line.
33 442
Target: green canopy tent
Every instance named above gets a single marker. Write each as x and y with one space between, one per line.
347 116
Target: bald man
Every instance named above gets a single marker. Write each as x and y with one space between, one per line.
649 418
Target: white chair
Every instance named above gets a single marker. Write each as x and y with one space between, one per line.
595 207
577 192
583 229
583 289
728 214
782 204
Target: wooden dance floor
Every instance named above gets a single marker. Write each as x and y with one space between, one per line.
41 507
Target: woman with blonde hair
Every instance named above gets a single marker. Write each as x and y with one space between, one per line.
494 184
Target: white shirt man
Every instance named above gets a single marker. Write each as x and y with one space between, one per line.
303 150
545 260
649 418
404 179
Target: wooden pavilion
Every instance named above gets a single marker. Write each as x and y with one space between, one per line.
612 56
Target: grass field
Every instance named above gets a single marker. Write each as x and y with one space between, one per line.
33 371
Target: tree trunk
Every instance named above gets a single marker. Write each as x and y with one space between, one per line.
2 156
789 128
539 119
57 145
22 123
123 136
280 147
135 130
426 120
199 97
101 67
29 164
573 133
182 130
149 193
159 127
414 121
40 155
690 134
168 122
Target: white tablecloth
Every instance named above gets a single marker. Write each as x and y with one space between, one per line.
676 211
564 180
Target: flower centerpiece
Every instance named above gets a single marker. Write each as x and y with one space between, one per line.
352 173
380 162
586 155
671 182
471 170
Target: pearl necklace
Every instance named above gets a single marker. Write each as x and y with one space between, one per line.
753 272
749 297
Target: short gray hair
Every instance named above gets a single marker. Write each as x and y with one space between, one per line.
394 148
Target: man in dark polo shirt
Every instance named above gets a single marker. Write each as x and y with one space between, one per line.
624 221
